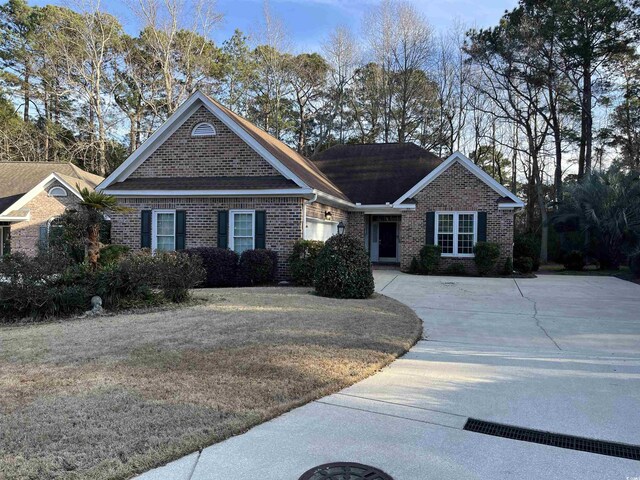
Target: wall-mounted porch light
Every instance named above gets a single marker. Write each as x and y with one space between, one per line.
341 228
328 216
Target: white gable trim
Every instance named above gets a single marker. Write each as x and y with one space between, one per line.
31 194
458 157
174 122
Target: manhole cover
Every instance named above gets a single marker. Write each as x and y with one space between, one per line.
344 471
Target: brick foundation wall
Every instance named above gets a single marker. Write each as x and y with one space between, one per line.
26 235
284 221
456 189
223 154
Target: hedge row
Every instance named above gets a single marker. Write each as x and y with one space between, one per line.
50 285
225 268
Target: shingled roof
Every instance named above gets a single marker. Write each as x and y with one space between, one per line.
374 174
17 178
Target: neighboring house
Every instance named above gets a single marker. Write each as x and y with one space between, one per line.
32 196
208 177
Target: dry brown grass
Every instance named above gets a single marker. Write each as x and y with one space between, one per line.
113 396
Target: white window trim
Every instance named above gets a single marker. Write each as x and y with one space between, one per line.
456 215
154 228
55 188
232 214
212 134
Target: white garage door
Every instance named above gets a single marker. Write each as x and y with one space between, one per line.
319 229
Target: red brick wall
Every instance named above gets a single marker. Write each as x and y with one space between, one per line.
456 189
224 154
284 221
25 235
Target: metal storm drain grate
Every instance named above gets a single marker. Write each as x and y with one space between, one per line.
570 442
344 471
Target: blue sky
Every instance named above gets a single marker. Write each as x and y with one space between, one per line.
309 21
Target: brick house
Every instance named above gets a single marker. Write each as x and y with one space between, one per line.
32 196
208 177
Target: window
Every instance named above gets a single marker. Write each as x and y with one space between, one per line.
203 129
456 233
241 230
164 230
57 192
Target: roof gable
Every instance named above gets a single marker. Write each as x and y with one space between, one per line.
509 198
291 165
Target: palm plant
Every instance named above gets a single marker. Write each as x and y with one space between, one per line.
96 205
607 208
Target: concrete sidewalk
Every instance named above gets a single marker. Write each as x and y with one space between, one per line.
554 353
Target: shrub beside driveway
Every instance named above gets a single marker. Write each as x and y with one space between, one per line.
113 396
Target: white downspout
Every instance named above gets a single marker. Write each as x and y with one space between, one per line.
304 214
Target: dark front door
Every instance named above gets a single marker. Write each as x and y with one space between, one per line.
387 240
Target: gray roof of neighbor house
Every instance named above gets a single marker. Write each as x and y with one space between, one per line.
376 173
17 178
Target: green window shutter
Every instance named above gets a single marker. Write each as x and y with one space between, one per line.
431 225
223 228
261 229
482 226
145 229
181 229
43 237
6 238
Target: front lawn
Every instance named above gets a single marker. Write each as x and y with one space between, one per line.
112 396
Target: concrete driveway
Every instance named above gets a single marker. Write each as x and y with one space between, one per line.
556 353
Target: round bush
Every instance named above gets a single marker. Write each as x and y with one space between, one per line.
257 267
343 269
429 258
527 245
523 264
574 260
486 256
302 261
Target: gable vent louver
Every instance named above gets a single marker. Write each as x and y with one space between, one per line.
203 129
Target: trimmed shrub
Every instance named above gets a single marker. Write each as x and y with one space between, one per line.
508 266
177 273
302 261
527 245
112 254
574 260
523 264
220 264
486 256
429 258
257 267
456 268
634 264
343 269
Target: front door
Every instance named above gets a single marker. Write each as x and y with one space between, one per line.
387 241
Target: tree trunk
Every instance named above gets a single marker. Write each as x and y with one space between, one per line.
586 123
27 91
92 250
